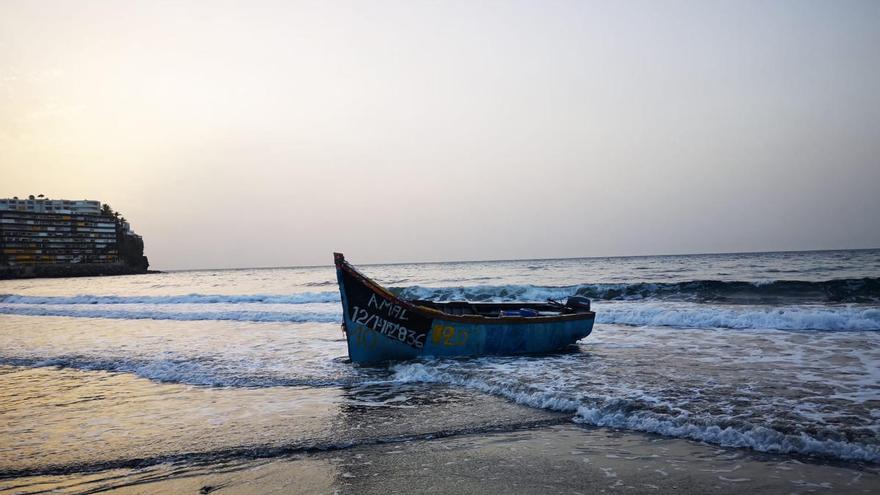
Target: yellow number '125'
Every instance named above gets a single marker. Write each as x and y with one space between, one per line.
449 336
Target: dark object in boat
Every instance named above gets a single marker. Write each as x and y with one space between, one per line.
578 302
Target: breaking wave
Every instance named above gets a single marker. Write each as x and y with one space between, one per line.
734 317
861 290
149 314
638 416
662 314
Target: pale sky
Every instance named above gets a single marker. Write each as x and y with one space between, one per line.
241 134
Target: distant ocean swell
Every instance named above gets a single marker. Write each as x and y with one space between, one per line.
861 290
665 314
630 415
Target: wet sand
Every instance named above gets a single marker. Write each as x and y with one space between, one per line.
565 459
368 439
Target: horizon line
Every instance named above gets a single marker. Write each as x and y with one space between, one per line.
395 263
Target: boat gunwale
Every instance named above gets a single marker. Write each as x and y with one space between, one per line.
342 264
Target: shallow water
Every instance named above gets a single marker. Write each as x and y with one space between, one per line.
770 352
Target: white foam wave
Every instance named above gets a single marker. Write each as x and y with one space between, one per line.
754 437
188 370
854 318
865 290
147 314
494 293
301 298
666 314
624 414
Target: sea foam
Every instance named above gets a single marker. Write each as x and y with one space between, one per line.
855 318
665 314
301 298
631 415
148 313
863 290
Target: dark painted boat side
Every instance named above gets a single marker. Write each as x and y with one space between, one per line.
380 326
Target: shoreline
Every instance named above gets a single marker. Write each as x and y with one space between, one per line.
563 458
435 439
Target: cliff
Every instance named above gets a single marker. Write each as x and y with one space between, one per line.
131 251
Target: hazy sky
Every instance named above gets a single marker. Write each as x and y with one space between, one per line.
236 134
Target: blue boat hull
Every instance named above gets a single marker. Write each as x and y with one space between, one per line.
454 339
380 327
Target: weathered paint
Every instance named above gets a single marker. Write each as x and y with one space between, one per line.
374 339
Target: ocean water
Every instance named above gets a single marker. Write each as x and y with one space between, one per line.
770 352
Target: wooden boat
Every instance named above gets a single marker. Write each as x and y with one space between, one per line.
380 326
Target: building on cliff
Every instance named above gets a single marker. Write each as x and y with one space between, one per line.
43 237
46 205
